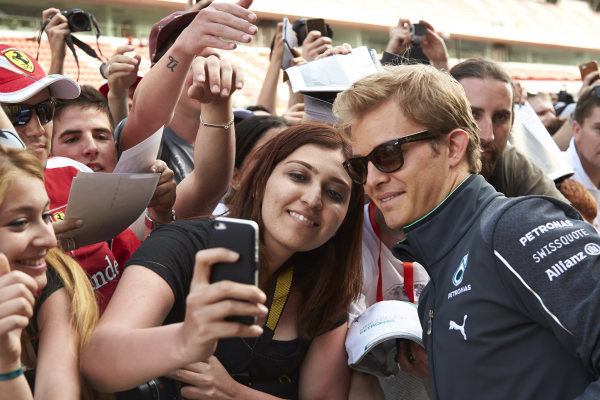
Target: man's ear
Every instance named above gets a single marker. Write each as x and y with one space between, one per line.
576 129
457 141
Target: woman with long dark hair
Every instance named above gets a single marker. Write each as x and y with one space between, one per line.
166 318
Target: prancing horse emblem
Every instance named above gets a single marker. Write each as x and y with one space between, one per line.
460 328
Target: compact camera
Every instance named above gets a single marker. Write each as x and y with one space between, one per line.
418 32
78 20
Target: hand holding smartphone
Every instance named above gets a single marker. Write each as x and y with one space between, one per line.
588 68
317 24
241 236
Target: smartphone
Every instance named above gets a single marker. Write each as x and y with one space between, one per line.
316 24
588 68
289 42
241 236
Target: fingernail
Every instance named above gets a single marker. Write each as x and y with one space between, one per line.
239 85
233 255
253 29
263 309
224 92
251 17
215 89
79 223
246 38
200 78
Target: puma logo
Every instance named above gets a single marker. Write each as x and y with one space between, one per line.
461 328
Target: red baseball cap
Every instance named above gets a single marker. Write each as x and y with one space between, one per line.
163 29
21 77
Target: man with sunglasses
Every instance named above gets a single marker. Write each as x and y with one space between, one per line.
511 309
583 153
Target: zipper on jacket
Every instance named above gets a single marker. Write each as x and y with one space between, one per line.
430 321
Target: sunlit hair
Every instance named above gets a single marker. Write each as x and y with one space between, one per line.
586 104
14 164
424 95
328 277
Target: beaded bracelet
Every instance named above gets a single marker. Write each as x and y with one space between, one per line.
11 375
225 126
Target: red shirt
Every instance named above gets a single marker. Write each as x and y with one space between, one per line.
102 264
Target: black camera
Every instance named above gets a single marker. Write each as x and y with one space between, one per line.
78 20
155 389
418 32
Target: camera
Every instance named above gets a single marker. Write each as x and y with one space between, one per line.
303 25
78 20
155 389
418 32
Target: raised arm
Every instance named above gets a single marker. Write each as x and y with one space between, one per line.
130 346
122 73
56 30
157 94
268 92
214 150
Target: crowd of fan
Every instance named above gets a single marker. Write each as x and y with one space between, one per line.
349 215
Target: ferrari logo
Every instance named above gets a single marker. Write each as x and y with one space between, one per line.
19 59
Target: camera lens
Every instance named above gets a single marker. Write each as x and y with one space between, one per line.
79 21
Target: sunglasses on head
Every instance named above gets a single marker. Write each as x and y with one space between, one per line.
386 157
20 114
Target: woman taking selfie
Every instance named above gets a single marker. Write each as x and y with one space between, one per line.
47 307
165 318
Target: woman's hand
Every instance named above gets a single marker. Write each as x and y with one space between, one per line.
214 79
315 44
17 296
206 380
161 205
207 306
122 70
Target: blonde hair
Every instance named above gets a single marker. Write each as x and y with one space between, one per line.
424 95
15 163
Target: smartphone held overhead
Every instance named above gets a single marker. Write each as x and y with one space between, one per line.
588 68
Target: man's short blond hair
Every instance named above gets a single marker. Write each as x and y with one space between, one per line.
424 95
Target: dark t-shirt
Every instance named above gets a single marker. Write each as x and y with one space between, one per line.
271 366
54 283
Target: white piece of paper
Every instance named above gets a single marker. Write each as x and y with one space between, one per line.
107 203
332 74
531 138
140 157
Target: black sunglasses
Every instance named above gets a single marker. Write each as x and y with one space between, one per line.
386 157
20 114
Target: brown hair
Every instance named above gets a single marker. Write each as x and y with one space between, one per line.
90 97
586 104
426 96
330 276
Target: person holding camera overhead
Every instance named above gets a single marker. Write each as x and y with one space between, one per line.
57 26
